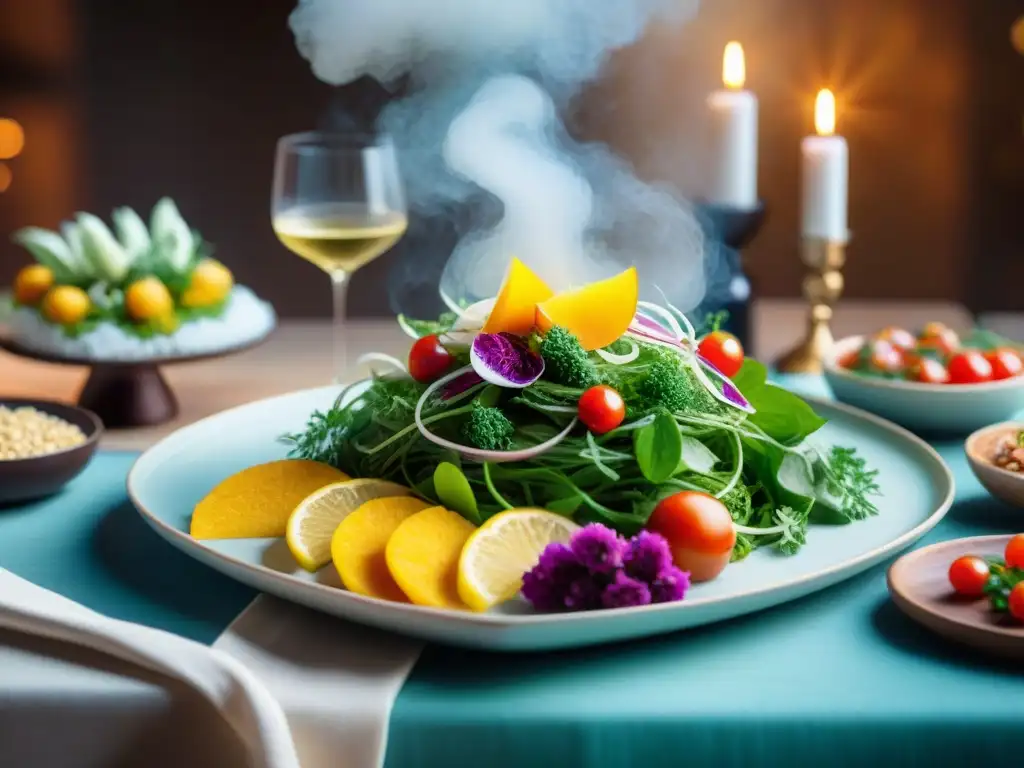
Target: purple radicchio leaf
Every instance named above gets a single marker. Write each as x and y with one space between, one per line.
505 359
460 384
732 394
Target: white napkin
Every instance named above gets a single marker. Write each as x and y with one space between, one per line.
245 703
335 680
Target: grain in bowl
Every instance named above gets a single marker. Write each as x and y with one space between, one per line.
26 432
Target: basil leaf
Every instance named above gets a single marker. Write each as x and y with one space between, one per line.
696 456
781 414
454 492
658 448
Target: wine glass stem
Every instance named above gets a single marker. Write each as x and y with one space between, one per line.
339 285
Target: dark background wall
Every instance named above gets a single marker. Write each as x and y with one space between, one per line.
125 102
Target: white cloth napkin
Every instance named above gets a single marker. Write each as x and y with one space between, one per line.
245 703
335 680
301 689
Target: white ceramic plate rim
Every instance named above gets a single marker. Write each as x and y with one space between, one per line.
187 543
841 347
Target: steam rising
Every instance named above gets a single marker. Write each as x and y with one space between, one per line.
490 84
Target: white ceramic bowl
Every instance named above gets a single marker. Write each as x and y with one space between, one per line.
932 408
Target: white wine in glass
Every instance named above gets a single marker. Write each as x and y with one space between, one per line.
338 203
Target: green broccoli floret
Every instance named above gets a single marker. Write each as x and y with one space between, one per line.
489 428
670 385
566 361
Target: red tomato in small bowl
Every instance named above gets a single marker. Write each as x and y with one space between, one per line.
699 531
1005 362
1015 603
898 337
938 337
722 350
428 359
925 370
601 409
885 357
969 367
968 575
1014 554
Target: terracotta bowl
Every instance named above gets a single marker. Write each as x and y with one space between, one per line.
38 476
1002 483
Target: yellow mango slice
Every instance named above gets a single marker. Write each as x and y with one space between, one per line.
256 502
423 557
515 307
359 543
597 314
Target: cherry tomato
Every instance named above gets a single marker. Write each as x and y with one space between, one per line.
938 337
723 350
602 409
1016 602
969 367
885 358
851 360
1014 554
968 575
925 370
898 337
699 531
428 359
1005 362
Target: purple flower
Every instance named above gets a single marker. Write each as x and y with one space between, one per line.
625 592
598 549
547 584
584 594
647 555
670 585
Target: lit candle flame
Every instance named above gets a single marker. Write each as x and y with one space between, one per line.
734 66
825 113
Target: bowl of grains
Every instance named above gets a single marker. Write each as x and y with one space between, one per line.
43 446
996 456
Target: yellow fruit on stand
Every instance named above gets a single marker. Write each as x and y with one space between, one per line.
32 283
423 557
66 305
360 541
148 299
210 284
257 502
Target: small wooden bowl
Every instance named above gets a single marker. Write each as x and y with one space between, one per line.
919 585
1002 483
38 476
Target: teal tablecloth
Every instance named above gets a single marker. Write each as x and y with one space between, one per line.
839 678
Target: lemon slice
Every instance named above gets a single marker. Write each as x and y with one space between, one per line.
498 553
313 521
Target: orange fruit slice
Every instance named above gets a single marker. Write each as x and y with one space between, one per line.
597 314
359 543
257 502
423 557
515 307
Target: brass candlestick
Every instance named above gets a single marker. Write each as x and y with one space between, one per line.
822 286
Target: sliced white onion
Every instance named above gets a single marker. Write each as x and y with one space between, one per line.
407 329
691 332
380 357
479 454
670 319
698 369
614 359
452 306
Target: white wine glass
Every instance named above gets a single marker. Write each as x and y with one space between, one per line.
338 202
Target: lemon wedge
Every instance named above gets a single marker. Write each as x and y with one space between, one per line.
313 521
498 553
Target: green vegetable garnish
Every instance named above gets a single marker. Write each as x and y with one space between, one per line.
677 436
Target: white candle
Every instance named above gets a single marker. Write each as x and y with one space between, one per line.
732 150
826 161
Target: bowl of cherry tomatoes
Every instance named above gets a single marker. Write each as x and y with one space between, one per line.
931 381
